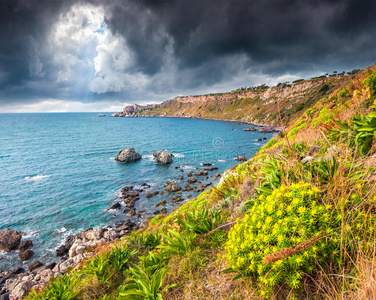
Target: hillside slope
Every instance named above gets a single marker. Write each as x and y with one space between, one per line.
259 106
297 221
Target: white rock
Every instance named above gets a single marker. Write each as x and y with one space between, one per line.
66 264
81 249
78 258
21 289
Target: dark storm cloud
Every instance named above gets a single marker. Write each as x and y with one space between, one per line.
294 32
180 46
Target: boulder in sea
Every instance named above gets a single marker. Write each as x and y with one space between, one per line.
163 202
172 187
61 250
35 265
131 213
191 179
115 206
25 245
127 156
25 255
9 239
201 173
247 129
149 195
241 158
163 157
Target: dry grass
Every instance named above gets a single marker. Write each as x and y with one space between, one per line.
206 281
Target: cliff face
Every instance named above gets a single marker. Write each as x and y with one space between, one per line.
256 107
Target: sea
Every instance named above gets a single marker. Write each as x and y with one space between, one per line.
58 174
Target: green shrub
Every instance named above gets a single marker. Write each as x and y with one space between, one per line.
200 221
288 217
177 243
370 81
359 132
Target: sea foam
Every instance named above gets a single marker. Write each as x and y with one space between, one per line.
37 177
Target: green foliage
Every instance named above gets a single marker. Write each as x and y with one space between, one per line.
324 117
286 218
200 221
370 81
145 280
100 268
63 288
359 132
344 93
143 240
177 243
271 175
119 257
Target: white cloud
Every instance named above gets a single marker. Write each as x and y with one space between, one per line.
53 105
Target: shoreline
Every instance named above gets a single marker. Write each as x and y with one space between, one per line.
81 246
276 129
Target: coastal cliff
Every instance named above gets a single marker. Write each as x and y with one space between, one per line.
296 221
259 106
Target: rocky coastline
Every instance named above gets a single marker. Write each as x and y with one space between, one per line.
83 245
263 127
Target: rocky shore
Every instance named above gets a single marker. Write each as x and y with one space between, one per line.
81 246
76 248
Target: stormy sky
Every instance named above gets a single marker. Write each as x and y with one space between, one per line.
72 55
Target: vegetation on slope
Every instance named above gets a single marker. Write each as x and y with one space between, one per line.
297 221
265 105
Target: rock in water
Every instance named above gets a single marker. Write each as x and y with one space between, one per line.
163 157
172 187
25 245
241 158
25 255
9 239
127 156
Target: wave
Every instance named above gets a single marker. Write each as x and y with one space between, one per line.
178 155
221 160
31 234
149 157
37 177
186 167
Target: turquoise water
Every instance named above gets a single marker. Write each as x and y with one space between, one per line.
58 174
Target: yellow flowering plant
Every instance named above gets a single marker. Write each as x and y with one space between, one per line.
278 224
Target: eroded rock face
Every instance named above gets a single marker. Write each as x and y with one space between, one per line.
172 187
163 157
9 239
128 155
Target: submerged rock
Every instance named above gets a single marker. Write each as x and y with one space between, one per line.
163 157
127 156
9 239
